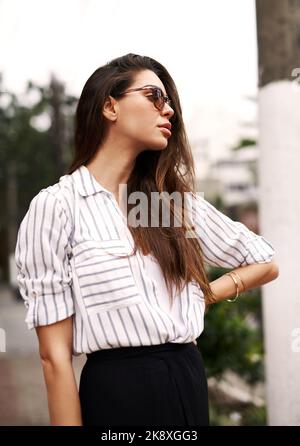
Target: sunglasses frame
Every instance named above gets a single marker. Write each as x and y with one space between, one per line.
153 88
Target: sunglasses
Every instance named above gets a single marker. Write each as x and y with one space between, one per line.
157 96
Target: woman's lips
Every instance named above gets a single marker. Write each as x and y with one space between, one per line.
166 131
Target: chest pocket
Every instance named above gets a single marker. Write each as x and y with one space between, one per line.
104 275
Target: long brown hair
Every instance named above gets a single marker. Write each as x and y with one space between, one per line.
168 170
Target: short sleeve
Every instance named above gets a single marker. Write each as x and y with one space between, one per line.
225 242
41 256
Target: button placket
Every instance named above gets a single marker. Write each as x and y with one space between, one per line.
125 233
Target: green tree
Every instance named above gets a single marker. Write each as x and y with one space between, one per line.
29 150
232 337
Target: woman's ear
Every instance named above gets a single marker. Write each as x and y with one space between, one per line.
110 108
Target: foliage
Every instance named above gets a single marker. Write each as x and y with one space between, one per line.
232 337
248 415
245 142
29 148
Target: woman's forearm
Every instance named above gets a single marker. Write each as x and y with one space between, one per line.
252 276
63 398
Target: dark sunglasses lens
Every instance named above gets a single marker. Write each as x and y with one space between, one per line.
158 98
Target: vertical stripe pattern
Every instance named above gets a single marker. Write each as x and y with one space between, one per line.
71 256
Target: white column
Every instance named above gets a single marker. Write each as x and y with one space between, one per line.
279 172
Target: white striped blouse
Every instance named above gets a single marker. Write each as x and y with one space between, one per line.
69 262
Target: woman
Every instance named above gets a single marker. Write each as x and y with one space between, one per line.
100 278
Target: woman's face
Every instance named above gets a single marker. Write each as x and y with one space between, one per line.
138 119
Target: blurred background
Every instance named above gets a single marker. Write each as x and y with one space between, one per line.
236 67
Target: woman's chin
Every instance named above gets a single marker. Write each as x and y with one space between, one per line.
161 144
158 144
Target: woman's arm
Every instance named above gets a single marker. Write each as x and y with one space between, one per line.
55 347
253 276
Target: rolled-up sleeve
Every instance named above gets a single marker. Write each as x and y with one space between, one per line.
41 257
225 242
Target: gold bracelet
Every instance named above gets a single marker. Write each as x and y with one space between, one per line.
237 288
234 272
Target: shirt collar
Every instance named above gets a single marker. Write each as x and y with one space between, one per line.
85 182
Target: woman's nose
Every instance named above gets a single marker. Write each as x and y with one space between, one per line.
168 110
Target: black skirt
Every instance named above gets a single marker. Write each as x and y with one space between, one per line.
158 385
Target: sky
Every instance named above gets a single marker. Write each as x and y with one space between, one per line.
208 47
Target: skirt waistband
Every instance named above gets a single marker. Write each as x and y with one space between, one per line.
125 352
